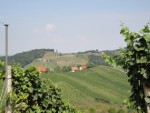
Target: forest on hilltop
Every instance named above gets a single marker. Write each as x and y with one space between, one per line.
27 57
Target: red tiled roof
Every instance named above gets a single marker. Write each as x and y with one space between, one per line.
41 69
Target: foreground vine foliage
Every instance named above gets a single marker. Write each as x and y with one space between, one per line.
33 95
135 60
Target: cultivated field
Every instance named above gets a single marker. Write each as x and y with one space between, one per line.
98 88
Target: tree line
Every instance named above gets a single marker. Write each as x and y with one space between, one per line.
26 58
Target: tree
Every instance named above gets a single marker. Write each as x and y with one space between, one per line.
135 60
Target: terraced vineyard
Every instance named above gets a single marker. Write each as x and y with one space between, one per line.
100 84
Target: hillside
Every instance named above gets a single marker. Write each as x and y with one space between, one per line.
99 88
27 57
98 85
50 59
53 60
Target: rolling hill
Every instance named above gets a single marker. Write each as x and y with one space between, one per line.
102 86
51 59
95 90
27 57
98 89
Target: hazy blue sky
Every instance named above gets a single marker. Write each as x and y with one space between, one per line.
69 25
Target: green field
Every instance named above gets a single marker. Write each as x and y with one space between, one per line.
94 90
97 88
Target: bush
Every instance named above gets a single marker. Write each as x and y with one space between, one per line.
92 110
31 94
111 110
120 111
66 69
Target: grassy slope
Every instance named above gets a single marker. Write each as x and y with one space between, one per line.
52 60
71 60
83 87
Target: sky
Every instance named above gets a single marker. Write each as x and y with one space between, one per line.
69 25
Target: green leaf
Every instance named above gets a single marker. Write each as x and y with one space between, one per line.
53 109
135 35
138 48
124 30
147 37
130 53
35 97
145 29
147 100
142 60
143 72
129 42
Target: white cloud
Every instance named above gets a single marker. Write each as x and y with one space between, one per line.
50 27
45 30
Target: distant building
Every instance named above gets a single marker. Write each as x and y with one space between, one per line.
73 69
40 59
41 69
83 67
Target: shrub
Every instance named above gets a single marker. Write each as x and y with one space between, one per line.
111 110
92 110
120 111
31 94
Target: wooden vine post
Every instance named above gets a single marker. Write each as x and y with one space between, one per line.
8 108
8 82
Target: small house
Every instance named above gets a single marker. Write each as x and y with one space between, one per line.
83 67
74 68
